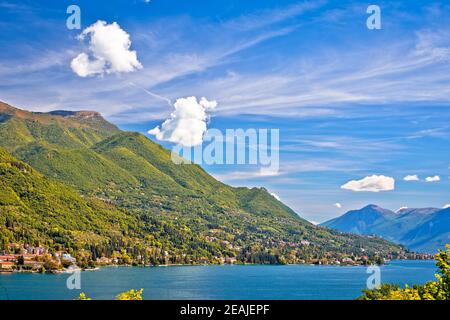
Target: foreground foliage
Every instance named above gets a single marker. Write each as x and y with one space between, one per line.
432 290
133 295
130 295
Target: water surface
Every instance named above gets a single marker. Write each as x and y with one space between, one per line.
216 282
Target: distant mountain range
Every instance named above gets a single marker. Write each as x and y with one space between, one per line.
73 181
419 229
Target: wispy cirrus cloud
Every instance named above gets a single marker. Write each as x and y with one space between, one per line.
164 63
309 84
415 77
269 17
290 167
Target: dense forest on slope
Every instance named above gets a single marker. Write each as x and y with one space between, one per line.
115 193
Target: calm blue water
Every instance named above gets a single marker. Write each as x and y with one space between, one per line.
216 282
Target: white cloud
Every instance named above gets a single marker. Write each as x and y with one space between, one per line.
401 208
109 51
446 206
262 173
282 91
372 183
314 222
338 205
275 196
433 179
411 178
187 124
85 67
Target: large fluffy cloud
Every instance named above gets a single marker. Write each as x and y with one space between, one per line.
109 51
187 124
372 183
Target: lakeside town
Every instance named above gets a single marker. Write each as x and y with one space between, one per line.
38 259
34 259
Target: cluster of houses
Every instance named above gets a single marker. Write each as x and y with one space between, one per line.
9 262
30 258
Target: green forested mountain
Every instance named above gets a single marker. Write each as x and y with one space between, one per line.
140 203
35 209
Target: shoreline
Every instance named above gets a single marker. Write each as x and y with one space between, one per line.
59 272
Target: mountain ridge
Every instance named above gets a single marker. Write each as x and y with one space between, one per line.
420 229
74 118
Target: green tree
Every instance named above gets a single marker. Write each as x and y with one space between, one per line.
130 295
432 290
83 296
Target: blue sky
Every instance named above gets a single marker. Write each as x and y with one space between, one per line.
349 102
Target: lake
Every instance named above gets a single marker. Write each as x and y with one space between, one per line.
216 282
